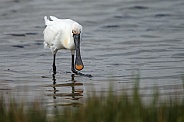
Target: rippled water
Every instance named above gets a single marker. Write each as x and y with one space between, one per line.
121 38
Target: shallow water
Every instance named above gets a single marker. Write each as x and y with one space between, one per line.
121 38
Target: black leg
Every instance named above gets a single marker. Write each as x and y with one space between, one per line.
73 65
54 65
76 72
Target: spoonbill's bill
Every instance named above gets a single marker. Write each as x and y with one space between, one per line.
64 34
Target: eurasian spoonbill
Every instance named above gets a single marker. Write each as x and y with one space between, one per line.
64 34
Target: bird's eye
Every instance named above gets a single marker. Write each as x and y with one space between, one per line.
73 31
76 31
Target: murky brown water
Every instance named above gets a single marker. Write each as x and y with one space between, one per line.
121 38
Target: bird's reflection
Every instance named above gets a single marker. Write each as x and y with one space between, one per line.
54 82
75 94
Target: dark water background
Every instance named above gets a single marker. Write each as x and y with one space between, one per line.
121 38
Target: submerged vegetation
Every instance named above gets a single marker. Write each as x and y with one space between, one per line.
112 108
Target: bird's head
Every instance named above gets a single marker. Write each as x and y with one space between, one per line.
76 28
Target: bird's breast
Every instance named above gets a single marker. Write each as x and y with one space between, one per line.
68 44
65 43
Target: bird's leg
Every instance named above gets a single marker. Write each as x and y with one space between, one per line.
73 65
54 65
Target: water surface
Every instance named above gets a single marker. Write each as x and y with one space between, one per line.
121 38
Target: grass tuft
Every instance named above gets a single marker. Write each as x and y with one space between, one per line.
110 108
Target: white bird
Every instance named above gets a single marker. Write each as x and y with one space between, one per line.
64 34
